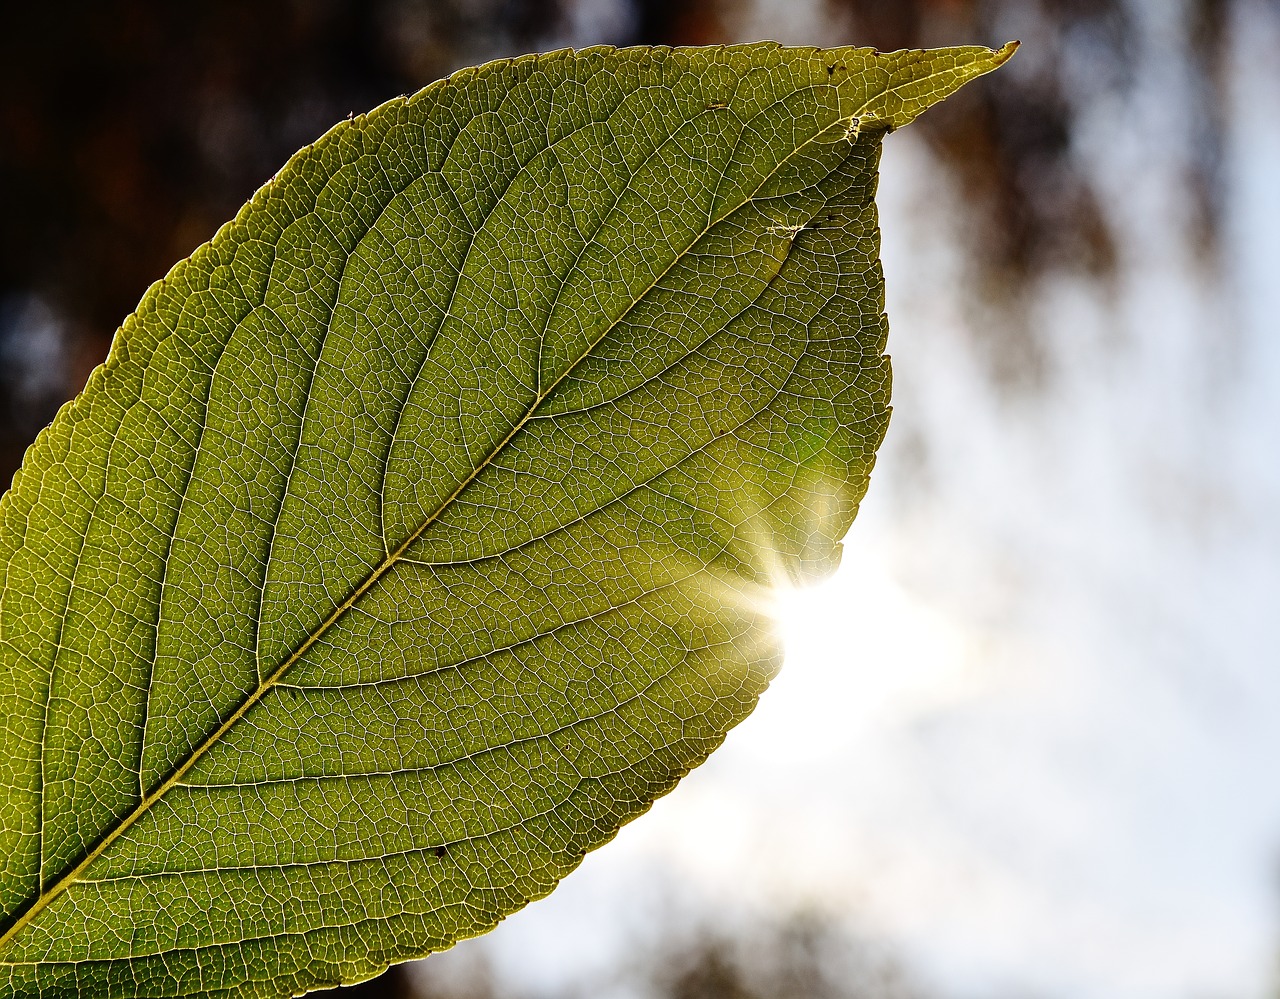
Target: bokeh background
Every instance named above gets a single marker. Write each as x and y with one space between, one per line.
1027 740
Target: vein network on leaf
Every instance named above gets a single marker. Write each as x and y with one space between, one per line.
426 524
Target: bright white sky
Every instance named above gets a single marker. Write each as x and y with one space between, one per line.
1029 732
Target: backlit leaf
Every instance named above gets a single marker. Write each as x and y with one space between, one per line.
420 528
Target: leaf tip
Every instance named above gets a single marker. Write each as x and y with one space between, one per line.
1003 54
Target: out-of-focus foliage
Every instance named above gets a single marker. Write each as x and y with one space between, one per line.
1035 204
801 956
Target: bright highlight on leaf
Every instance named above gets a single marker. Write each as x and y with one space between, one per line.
413 536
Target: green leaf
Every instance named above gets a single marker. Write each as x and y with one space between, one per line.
419 529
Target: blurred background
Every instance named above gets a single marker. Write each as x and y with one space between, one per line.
1026 742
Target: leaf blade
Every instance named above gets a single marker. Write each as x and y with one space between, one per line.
230 444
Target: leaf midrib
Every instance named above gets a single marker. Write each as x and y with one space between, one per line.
269 682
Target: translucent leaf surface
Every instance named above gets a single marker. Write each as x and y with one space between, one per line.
419 529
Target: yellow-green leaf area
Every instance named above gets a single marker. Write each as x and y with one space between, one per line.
419 529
